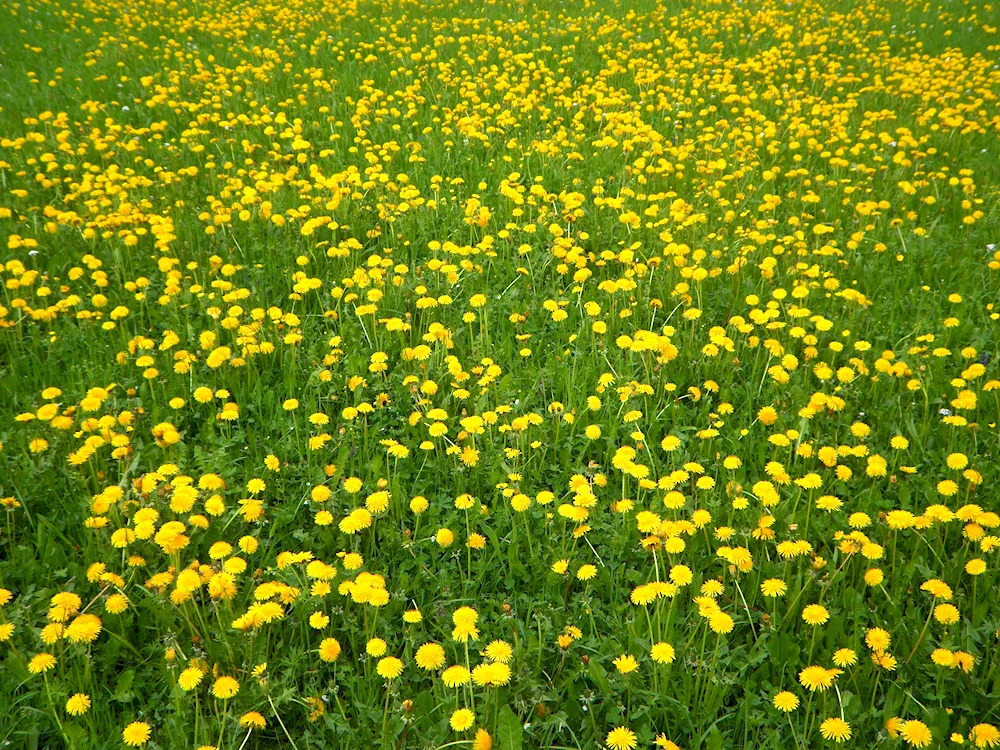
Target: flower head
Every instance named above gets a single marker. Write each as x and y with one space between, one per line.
390 667
462 719
915 733
835 729
621 738
78 704
786 701
136 734
626 664
40 663
225 687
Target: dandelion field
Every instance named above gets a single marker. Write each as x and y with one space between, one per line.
500 375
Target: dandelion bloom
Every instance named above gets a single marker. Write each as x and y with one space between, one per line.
662 653
621 738
390 667
252 720
189 678
877 639
773 587
817 678
985 735
319 620
136 734
42 662
835 729
329 649
720 622
491 673
462 719
937 588
482 740
225 687
915 733
455 676
845 657
946 614
429 656
975 567
815 614
499 651
626 664
965 661
786 701
884 660
78 704
874 576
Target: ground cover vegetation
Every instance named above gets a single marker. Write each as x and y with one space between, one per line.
499 375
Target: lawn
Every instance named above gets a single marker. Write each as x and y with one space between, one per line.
512 374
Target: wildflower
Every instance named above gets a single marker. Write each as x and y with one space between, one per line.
662 653
78 704
40 663
455 676
877 639
225 687
773 587
390 667
817 678
252 720
462 719
845 657
786 701
136 734
429 656
985 735
946 614
720 622
189 678
329 649
621 738
835 729
915 733
815 614
975 567
499 651
626 664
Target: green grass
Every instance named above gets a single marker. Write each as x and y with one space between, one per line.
752 243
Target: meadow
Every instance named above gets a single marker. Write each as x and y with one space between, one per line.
505 374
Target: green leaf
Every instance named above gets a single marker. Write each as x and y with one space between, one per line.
509 735
123 689
514 558
600 676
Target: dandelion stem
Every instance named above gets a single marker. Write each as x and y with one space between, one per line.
920 637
